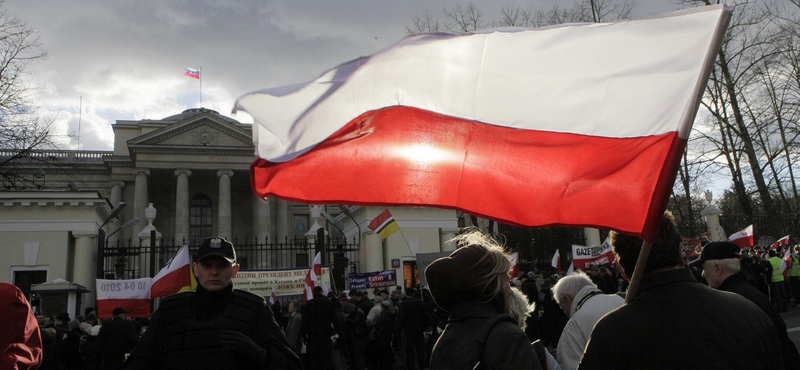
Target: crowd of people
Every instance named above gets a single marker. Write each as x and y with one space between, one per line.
469 316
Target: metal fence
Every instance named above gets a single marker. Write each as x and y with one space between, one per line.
127 260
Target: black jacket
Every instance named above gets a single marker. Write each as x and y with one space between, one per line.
677 323
319 317
507 347
738 284
412 316
117 337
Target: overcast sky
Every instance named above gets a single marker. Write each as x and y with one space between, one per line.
124 60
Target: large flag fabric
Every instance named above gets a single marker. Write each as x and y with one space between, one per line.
384 225
530 127
193 73
743 238
175 277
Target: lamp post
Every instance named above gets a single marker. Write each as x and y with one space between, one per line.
101 237
347 212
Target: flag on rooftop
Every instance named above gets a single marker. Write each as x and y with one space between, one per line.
384 225
193 73
530 127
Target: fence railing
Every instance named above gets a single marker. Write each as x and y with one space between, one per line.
127 260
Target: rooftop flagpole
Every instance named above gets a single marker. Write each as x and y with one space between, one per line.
201 86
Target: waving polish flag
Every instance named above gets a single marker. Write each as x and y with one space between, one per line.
743 238
784 240
530 127
175 277
311 276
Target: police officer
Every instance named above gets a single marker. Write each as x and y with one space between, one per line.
214 327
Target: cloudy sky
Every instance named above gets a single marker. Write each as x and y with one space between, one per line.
124 60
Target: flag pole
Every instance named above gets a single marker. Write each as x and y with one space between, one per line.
637 272
406 240
201 86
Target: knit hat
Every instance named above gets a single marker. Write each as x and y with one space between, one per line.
455 278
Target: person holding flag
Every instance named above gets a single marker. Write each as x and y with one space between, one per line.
215 326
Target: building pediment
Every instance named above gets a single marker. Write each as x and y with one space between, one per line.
204 130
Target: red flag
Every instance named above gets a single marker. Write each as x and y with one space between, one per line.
436 120
743 238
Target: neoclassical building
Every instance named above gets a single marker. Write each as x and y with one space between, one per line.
193 168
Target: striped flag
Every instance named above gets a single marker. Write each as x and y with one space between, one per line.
384 225
175 277
784 240
311 276
472 121
743 238
193 73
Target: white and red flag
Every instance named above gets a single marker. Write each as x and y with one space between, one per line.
556 262
312 276
784 241
514 259
175 277
743 238
603 109
273 297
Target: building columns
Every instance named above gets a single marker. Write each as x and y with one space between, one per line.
115 197
591 236
372 252
224 211
261 219
85 265
182 205
283 220
140 199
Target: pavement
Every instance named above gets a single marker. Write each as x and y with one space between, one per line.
792 320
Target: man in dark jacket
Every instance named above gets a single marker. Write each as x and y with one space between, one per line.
117 337
412 320
674 322
319 322
722 270
216 326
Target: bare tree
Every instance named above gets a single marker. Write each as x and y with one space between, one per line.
21 128
424 23
462 19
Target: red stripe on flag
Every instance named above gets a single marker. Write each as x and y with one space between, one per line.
412 157
171 283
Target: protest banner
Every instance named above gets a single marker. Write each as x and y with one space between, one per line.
132 295
371 280
285 281
584 257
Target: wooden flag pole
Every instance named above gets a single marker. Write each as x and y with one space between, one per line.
637 272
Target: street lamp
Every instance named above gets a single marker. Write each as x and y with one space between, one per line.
347 212
101 237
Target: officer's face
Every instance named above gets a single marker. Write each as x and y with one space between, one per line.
214 273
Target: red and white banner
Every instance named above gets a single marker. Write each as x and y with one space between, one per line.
743 238
175 277
132 295
584 257
556 262
419 123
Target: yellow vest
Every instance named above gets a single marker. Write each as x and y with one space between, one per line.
795 269
777 274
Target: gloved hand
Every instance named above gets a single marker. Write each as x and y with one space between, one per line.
243 346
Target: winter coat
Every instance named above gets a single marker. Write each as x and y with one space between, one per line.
507 347
588 306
